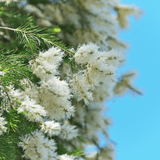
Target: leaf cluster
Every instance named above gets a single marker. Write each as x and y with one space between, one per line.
17 125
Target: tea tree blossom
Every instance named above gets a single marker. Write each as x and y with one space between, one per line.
50 127
95 21
86 53
2 73
68 132
67 157
37 147
32 111
46 64
81 88
3 128
102 66
55 95
124 11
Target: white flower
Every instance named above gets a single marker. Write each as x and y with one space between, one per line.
95 110
32 9
124 11
86 53
68 132
8 1
67 157
46 64
101 66
2 125
37 147
81 88
2 73
103 91
96 75
54 96
16 93
51 128
6 102
32 111
30 89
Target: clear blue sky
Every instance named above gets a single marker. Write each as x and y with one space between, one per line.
136 127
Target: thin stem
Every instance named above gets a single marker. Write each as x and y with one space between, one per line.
16 30
12 29
57 46
29 45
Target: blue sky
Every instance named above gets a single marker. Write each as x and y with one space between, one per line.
136 120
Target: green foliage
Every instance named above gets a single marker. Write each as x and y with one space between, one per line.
17 125
11 17
12 119
35 2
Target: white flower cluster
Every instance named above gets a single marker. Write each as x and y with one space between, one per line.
28 106
54 94
64 131
2 73
46 64
124 11
67 157
50 127
2 125
37 147
100 67
8 1
93 20
50 100
91 117
81 88
68 132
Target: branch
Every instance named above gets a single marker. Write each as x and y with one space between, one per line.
45 40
